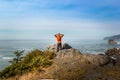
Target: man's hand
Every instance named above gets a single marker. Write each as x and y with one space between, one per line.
55 35
62 35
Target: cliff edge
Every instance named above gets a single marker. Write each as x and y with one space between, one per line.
69 64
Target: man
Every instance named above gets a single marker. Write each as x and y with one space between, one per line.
59 41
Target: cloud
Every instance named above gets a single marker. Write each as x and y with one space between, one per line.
73 17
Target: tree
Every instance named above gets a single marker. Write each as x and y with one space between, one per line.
18 57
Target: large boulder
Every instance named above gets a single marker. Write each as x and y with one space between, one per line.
113 51
113 54
68 53
95 59
53 48
66 46
111 41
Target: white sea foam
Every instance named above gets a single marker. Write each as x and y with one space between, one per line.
118 42
7 58
94 52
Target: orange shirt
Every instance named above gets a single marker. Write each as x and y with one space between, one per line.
59 38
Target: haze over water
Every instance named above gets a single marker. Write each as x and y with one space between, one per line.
7 47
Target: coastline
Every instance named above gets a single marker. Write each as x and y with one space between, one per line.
70 62
85 47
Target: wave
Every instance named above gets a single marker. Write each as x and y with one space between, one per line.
92 52
118 42
7 58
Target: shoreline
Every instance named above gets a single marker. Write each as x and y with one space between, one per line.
70 60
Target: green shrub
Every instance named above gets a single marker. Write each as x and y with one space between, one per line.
50 55
34 60
18 57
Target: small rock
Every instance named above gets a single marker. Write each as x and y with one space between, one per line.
111 41
66 46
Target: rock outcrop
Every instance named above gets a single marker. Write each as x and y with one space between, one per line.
95 59
71 64
53 48
69 52
66 53
111 41
113 54
66 46
113 51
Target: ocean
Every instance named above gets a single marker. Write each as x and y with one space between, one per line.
7 47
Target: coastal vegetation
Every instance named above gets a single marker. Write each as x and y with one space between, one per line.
34 60
18 57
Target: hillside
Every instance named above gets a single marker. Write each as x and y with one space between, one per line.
115 37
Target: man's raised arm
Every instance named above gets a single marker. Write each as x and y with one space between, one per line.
55 35
62 35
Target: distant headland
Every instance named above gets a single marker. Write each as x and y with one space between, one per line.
112 39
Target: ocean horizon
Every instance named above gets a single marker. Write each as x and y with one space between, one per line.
7 47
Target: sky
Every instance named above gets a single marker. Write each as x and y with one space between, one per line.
76 19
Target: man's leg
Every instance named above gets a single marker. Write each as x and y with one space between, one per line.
57 47
60 46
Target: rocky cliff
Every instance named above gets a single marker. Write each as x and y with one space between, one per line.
71 64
